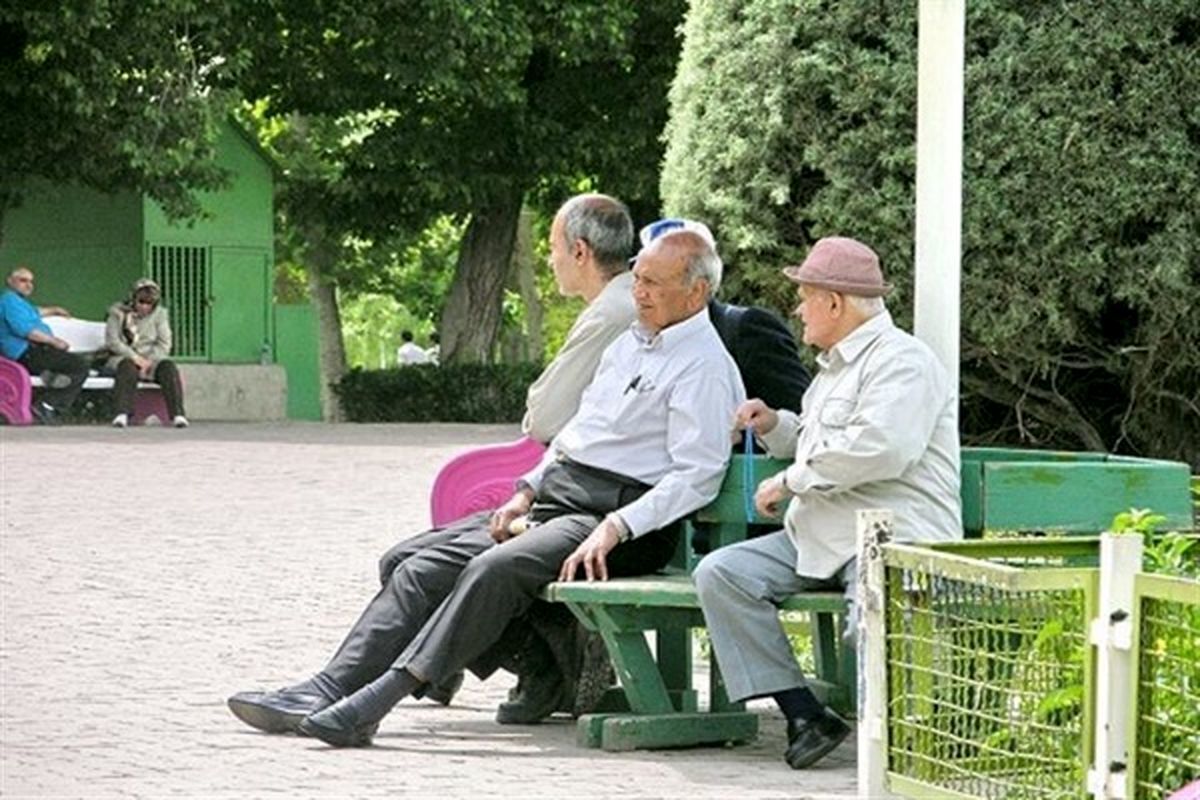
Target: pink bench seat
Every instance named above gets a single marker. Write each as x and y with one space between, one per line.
480 479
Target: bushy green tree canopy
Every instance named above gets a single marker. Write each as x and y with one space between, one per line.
794 119
113 95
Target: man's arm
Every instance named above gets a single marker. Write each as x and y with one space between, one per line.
554 397
24 321
53 311
877 436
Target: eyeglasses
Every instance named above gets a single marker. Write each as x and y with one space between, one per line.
24 280
144 302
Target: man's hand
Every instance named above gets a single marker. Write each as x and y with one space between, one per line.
517 506
592 553
771 493
61 344
755 414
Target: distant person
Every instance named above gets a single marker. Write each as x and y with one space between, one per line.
410 353
138 337
434 351
27 339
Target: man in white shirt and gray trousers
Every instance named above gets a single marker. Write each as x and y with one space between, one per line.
878 429
649 444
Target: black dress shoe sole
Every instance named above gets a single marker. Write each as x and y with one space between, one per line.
340 737
811 757
265 718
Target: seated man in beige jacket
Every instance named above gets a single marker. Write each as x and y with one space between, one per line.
591 241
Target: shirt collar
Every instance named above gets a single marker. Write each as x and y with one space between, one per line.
852 346
669 337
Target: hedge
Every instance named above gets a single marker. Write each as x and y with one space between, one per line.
492 393
795 119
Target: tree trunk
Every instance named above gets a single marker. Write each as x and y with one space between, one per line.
320 258
522 344
471 318
526 276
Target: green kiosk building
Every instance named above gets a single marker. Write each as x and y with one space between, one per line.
243 357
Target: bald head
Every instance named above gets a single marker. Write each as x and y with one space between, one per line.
20 280
673 278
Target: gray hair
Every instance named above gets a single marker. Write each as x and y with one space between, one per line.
867 306
604 223
700 258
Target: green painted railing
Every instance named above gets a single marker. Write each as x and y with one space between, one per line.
987 674
1166 741
992 680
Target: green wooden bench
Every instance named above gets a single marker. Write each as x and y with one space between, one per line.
657 706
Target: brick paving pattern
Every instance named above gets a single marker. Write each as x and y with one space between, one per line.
147 574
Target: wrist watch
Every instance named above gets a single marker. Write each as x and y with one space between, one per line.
623 532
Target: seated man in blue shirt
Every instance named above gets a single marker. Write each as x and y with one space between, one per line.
648 445
25 338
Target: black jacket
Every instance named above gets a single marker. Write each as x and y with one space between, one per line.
764 349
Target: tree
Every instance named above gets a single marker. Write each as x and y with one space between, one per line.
113 95
477 104
794 119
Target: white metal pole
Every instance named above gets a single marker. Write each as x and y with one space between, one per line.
938 259
1112 635
874 530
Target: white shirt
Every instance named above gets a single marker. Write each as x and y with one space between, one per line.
554 397
657 411
878 429
409 353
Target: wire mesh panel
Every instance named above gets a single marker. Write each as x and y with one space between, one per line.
1168 686
988 673
182 272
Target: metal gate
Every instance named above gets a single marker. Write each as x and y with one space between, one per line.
183 274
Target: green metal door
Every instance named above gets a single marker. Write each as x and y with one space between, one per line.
182 271
238 306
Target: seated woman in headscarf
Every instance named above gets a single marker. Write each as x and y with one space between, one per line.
138 337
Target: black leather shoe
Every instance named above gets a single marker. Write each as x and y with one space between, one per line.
811 740
541 695
444 692
338 726
44 413
276 712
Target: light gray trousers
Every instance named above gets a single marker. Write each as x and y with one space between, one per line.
740 587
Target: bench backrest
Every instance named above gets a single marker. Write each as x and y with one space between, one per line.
1005 489
84 336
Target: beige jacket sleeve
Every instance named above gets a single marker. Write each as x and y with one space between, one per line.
114 340
554 397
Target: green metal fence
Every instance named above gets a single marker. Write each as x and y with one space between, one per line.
1166 744
987 674
991 679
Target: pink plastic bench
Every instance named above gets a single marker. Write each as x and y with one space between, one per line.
16 394
480 479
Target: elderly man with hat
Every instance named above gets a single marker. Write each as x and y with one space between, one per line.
878 429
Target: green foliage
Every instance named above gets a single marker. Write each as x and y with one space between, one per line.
1137 520
113 95
1163 553
428 393
372 324
795 119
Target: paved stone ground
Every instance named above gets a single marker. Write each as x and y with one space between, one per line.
147 574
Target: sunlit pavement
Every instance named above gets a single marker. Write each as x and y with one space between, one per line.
146 574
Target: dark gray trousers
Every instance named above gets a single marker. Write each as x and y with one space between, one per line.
452 592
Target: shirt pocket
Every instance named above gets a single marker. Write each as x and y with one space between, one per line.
836 412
